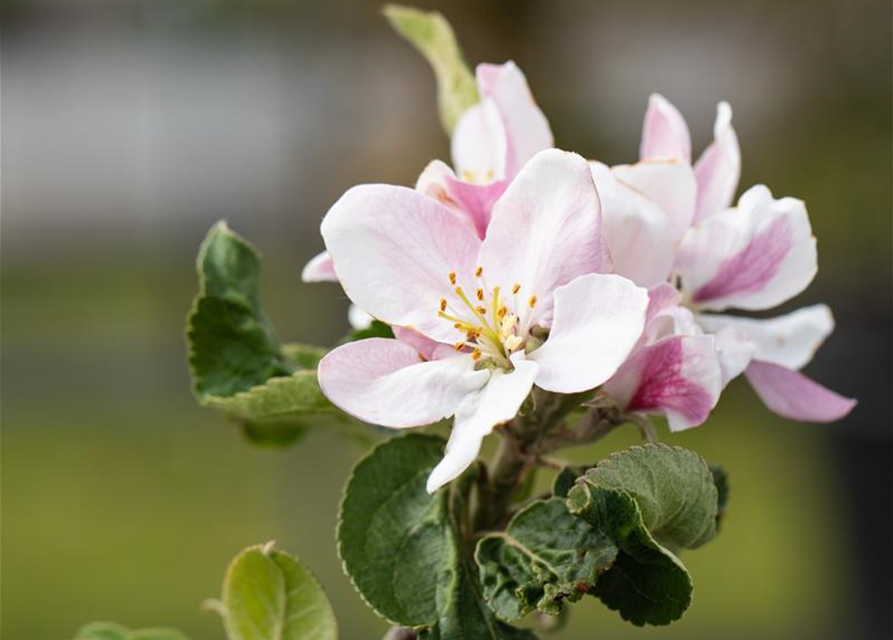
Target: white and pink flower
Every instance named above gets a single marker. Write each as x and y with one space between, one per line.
477 321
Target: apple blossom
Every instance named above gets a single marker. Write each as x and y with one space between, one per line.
490 144
478 322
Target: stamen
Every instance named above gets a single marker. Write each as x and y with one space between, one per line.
459 346
513 342
478 272
452 277
532 301
443 304
476 354
516 287
502 311
482 311
480 294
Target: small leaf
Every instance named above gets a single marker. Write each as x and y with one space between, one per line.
647 499
721 480
238 365
432 36
113 631
404 549
376 329
545 557
269 595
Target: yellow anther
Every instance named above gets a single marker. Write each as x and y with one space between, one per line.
532 301
459 327
482 311
476 354
459 346
478 272
480 294
516 287
502 311
471 334
452 277
443 304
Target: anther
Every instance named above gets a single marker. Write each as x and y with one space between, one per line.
478 272
480 294
443 304
459 346
452 277
476 354
516 287
502 311
482 310
532 301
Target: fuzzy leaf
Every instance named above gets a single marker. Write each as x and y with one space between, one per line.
648 500
404 549
269 595
113 631
433 37
238 365
545 557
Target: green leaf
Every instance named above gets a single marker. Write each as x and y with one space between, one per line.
721 480
648 500
269 595
377 329
545 557
432 36
232 345
405 550
238 365
113 631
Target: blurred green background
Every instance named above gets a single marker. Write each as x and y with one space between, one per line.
129 127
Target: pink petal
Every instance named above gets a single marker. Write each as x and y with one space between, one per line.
789 341
393 250
719 167
637 230
476 417
319 269
597 323
753 257
664 133
545 231
426 347
661 298
385 382
526 128
665 317
792 395
472 202
670 184
678 376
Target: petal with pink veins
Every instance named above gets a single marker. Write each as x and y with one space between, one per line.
789 341
637 231
597 323
394 249
755 256
476 417
670 184
678 376
792 395
719 167
473 202
664 133
526 129
545 231
385 382
319 269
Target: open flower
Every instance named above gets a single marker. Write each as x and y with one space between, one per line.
479 322
674 370
492 141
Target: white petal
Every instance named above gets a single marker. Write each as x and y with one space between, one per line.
545 231
385 382
753 257
496 403
393 250
669 183
358 318
664 132
637 230
735 350
789 341
479 144
597 323
719 167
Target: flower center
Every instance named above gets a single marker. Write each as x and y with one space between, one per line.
487 320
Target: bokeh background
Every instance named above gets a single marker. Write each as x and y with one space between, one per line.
130 126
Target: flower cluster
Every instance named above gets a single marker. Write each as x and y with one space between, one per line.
526 265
